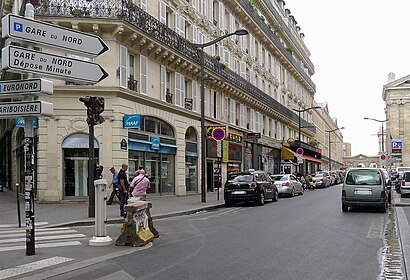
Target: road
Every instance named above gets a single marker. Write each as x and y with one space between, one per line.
305 237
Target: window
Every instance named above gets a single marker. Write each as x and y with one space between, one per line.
157 126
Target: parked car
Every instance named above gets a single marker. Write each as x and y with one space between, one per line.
365 187
288 184
405 184
322 180
400 171
249 186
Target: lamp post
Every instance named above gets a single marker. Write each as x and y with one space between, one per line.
330 146
371 119
299 127
239 32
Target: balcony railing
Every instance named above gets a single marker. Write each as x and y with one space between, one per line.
132 84
122 9
168 97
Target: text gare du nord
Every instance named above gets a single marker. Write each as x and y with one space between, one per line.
55 65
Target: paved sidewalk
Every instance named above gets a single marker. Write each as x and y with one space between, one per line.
76 213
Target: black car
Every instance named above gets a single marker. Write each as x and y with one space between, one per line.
249 186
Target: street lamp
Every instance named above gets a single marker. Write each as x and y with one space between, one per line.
330 146
299 127
239 32
371 119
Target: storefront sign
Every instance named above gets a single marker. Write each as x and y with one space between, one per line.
396 145
21 122
235 138
132 121
155 142
226 152
253 135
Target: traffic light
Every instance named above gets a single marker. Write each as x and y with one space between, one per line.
98 172
95 106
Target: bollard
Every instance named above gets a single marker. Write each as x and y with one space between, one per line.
100 238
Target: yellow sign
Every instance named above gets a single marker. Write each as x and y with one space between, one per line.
226 152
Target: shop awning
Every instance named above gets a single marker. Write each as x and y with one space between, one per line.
311 158
287 154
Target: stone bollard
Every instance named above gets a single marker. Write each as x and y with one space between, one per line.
138 228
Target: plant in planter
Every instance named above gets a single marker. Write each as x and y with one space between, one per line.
76 12
290 50
217 58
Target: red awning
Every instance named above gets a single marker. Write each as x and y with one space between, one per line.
310 158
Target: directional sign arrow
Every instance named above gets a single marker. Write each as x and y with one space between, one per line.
26 86
21 60
51 35
25 108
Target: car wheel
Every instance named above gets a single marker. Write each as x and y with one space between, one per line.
301 191
402 195
228 203
261 198
275 196
344 208
292 193
383 208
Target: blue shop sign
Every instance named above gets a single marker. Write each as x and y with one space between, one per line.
20 122
132 121
155 142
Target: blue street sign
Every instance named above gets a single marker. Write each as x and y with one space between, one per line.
396 145
132 121
155 142
20 122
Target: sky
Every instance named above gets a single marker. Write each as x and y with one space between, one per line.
354 45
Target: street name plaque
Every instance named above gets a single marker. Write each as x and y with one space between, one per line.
25 108
26 86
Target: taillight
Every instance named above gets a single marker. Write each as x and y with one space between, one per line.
403 183
383 194
344 193
285 184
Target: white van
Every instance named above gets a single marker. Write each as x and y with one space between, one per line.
400 171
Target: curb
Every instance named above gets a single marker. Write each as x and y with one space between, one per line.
91 221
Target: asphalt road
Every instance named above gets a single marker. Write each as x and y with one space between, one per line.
305 237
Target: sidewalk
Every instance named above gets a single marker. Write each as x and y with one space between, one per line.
403 220
76 213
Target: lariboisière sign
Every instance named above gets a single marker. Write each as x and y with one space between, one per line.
26 108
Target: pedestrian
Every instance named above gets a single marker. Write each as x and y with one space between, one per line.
124 187
140 184
114 184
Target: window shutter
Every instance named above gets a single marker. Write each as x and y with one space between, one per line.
163 12
212 103
252 42
226 108
260 53
217 101
241 115
194 34
221 16
143 74
182 26
211 11
252 120
232 109
226 57
177 30
123 66
232 25
178 89
163 82
143 5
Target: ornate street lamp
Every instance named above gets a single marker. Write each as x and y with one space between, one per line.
371 119
239 32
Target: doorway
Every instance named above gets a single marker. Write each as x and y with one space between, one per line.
209 176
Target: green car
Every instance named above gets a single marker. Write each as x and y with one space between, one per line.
365 187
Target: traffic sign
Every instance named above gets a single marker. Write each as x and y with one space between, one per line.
383 157
26 86
299 151
51 35
21 60
218 134
26 109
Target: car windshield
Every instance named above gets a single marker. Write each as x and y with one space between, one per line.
280 177
240 177
363 177
319 175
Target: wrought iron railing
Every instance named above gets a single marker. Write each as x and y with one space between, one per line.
132 84
122 9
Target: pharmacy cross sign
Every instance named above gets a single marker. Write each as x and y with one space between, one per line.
51 35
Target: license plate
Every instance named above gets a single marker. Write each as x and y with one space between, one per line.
238 192
367 192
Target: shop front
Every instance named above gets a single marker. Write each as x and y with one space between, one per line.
153 146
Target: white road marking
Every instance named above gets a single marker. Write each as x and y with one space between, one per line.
54 237
118 275
16 226
37 233
41 245
30 267
218 214
376 228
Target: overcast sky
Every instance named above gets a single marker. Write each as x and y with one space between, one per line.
354 45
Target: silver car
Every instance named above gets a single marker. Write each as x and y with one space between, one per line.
287 184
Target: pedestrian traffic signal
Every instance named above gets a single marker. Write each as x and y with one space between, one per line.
95 106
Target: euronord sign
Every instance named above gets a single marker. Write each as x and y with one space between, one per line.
25 109
26 86
21 60
51 35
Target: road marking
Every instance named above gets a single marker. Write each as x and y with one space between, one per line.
41 245
16 226
118 275
376 228
30 267
226 212
37 233
44 238
19 230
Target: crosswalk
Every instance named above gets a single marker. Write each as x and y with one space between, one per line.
12 239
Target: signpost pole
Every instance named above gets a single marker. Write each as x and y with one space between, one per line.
91 169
